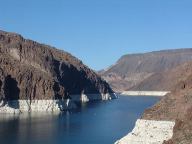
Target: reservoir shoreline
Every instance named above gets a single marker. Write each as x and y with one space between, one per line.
102 122
148 132
51 105
144 93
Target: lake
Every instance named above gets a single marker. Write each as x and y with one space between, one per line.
93 123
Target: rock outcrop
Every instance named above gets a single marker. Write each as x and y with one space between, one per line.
31 71
144 71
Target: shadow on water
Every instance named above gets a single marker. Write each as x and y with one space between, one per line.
9 122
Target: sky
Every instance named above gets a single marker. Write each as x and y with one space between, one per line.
99 32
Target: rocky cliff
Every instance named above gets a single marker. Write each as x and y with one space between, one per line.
143 71
176 106
33 71
170 120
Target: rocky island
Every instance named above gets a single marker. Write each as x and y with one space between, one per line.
38 77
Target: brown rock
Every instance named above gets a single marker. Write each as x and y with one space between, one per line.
144 71
29 70
176 106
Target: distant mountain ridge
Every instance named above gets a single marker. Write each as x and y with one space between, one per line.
132 69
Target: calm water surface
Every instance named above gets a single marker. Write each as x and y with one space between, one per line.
93 123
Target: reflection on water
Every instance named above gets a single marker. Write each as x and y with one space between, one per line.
94 122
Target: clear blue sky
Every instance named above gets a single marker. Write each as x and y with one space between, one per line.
100 31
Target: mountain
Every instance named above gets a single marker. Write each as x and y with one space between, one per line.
176 106
31 71
165 80
133 71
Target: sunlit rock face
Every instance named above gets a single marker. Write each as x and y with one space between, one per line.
33 71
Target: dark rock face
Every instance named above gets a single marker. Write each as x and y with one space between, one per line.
29 70
130 70
11 89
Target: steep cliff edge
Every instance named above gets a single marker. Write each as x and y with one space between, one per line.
32 71
143 71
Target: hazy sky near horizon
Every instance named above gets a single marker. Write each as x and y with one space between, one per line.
100 31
